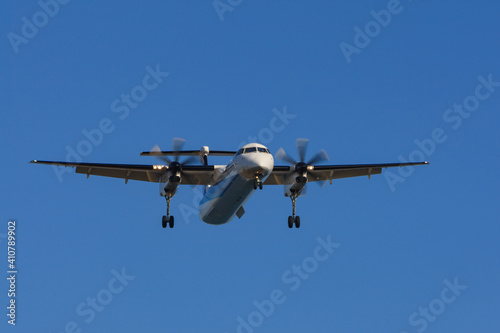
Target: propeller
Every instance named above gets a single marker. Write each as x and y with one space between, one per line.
300 166
177 144
175 166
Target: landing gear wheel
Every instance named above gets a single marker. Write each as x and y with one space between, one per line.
164 221
297 222
257 184
171 222
290 222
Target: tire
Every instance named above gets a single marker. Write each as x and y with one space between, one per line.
297 221
171 222
290 222
164 221
260 185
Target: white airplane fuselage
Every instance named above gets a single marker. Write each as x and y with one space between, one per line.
236 184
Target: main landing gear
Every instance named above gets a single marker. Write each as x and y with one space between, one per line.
293 219
167 219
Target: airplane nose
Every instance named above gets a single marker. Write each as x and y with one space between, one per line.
256 164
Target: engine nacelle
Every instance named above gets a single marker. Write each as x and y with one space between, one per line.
294 184
169 184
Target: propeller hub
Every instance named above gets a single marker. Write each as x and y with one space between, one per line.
175 167
301 167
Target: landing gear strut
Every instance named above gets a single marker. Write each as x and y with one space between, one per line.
257 183
293 219
167 219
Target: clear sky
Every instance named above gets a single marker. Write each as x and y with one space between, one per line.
413 250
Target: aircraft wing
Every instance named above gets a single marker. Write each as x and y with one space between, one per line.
192 174
330 172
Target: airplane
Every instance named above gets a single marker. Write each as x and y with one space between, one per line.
228 187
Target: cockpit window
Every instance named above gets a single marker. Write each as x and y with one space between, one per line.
252 150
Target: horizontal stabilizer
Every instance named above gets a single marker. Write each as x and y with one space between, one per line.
188 153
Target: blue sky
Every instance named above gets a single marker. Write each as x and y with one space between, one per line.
414 250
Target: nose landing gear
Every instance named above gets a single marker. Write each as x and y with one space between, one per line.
167 219
257 183
293 219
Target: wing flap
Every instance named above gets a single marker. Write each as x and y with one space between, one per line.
275 179
338 174
127 174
